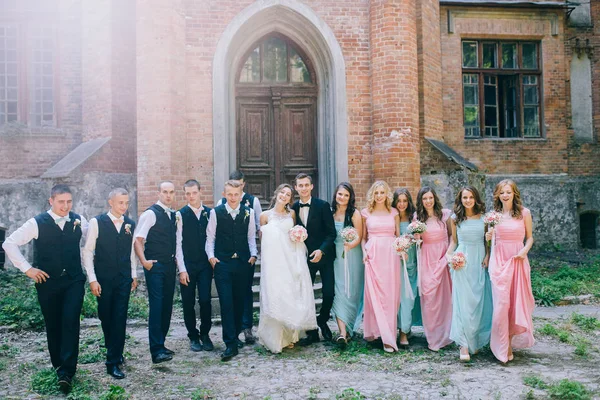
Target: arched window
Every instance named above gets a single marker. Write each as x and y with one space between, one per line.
275 61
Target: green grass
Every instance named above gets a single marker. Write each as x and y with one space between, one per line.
115 392
350 394
45 383
534 382
202 394
569 390
588 324
551 284
19 308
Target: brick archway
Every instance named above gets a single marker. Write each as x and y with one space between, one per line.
300 23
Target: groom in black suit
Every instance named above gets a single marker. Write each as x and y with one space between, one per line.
316 216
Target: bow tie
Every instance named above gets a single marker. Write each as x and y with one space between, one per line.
169 210
304 205
61 219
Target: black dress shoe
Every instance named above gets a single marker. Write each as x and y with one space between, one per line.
229 353
207 344
115 371
161 357
195 345
309 339
65 383
239 343
326 332
167 351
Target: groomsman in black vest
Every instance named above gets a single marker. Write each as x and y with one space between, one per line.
251 202
155 243
195 272
110 263
58 276
231 250
316 216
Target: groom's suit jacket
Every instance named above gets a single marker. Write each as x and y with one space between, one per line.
320 227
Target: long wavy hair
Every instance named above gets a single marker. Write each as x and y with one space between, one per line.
437 205
371 195
276 192
459 209
517 206
351 202
410 210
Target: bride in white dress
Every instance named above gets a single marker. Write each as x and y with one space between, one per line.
287 302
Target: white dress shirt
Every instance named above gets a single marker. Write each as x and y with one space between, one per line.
211 231
256 207
304 211
90 247
28 232
147 221
179 248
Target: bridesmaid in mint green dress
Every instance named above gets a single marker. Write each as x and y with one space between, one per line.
471 287
409 314
348 266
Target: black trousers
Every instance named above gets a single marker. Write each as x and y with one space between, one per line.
328 281
248 316
161 287
61 299
200 282
231 276
112 311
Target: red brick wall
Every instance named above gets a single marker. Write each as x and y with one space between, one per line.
583 157
509 156
29 155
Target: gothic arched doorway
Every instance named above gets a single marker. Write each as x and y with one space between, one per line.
276 115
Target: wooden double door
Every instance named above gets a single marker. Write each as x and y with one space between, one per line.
276 136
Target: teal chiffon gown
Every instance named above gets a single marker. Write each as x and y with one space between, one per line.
409 314
471 290
348 308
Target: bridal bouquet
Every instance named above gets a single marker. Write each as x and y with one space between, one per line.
416 227
402 244
458 261
298 234
349 235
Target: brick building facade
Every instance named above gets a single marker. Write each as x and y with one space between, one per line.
411 91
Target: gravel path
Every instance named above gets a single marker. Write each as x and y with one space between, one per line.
318 372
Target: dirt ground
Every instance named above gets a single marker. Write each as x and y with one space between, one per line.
320 371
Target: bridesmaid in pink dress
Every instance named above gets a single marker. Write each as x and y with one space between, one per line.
382 267
434 275
512 325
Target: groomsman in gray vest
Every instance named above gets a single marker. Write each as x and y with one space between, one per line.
155 243
110 263
195 271
59 279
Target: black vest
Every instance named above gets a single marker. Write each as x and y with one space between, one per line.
161 239
247 200
57 249
112 256
194 236
232 234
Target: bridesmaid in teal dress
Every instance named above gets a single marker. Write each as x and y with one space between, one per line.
471 287
409 314
349 283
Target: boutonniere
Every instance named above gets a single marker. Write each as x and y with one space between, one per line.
247 203
177 218
246 215
76 223
204 214
128 229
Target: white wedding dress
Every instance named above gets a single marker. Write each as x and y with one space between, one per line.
287 302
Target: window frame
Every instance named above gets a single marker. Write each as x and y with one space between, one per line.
25 21
519 72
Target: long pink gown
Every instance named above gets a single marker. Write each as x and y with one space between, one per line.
511 289
382 279
436 285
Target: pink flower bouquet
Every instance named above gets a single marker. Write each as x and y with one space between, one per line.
402 244
349 235
458 261
492 218
416 227
298 234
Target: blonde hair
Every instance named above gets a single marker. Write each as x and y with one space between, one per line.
371 195
517 205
